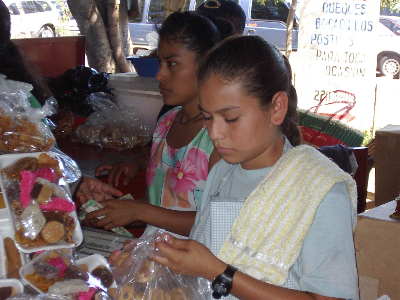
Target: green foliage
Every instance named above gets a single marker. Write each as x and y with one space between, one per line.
390 5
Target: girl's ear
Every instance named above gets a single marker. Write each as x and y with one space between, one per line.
279 107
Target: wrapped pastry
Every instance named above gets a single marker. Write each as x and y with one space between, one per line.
21 126
32 220
138 277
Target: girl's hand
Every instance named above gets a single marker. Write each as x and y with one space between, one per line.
115 172
188 257
115 213
92 188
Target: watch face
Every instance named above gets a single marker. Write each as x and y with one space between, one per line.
219 289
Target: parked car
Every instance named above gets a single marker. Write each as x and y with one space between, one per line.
391 22
388 60
264 18
37 18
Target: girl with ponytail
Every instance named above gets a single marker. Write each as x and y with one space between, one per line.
276 218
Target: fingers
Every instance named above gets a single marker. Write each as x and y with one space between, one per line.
96 214
161 260
178 244
115 175
111 191
168 250
101 169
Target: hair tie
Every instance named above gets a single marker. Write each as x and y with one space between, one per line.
212 4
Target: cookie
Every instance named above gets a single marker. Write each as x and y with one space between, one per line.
104 275
2 203
13 258
6 292
53 232
178 294
158 294
127 292
146 272
45 194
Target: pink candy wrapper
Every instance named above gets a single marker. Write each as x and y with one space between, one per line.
25 186
47 173
59 263
59 204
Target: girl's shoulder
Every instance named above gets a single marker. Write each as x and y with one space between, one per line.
165 122
170 114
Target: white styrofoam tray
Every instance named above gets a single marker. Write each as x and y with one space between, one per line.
92 261
4 211
14 283
5 161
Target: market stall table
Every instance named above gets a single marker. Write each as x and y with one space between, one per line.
377 241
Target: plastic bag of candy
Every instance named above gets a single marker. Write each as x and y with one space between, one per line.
140 278
39 201
58 273
112 127
21 126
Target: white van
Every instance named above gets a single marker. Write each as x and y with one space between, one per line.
32 18
265 18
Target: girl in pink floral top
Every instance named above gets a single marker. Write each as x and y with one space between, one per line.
176 176
182 153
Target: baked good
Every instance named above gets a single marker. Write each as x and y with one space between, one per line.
23 135
53 232
146 271
2 203
26 163
6 292
41 282
104 275
45 194
13 258
127 292
69 286
178 294
158 294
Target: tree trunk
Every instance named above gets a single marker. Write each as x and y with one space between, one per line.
289 30
115 36
105 27
124 26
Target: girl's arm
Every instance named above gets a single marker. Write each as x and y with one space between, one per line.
192 258
123 212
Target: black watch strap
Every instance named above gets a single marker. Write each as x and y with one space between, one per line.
222 284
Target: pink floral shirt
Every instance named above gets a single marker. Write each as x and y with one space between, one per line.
176 177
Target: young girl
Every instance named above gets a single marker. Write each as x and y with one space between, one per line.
182 152
276 219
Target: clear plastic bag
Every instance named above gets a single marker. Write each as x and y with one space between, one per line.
58 273
40 202
39 297
69 167
139 278
21 126
112 127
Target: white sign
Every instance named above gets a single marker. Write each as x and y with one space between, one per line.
336 59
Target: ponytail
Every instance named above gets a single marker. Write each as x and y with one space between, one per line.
289 126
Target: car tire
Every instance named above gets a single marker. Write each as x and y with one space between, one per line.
389 65
46 31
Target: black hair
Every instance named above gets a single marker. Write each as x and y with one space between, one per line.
12 63
222 11
5 27
262 71
197 33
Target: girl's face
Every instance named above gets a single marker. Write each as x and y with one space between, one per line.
241 130
177 74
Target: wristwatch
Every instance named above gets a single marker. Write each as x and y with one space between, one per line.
222 284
